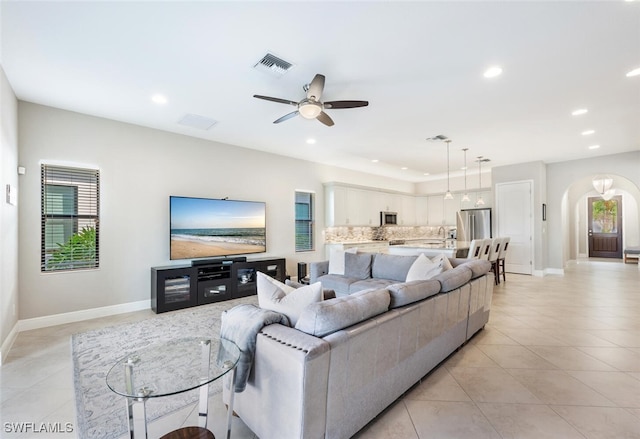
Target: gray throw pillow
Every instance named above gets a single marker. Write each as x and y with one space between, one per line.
357 265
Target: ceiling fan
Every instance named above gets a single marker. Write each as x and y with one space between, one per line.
312 107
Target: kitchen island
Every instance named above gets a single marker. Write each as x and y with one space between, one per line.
431 248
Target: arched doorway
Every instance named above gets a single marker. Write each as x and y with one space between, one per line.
576 210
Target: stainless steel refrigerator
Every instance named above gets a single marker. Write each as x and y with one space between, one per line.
473 224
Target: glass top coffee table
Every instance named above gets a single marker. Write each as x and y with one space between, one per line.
169 368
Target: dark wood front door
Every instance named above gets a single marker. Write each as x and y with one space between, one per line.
605 227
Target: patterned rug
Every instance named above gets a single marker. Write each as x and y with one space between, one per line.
100 412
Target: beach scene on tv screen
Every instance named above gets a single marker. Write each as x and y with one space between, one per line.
203 227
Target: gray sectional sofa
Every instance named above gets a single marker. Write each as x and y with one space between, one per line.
350 357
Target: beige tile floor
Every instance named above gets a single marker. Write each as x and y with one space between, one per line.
560 358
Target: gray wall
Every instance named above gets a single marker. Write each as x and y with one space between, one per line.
140 168
8 212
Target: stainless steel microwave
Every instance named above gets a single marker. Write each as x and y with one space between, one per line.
388 218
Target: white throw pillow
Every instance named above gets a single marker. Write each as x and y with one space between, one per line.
423 268
443 261
276 296
336 260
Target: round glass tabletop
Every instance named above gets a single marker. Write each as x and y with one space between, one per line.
172 367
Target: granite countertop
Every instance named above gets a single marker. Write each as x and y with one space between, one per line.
442 245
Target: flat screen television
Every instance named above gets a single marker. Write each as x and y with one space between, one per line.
205 227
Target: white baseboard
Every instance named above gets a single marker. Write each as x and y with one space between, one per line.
78 316
8 343
548 271
558 271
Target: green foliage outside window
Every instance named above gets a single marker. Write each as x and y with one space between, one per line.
605 214
78 252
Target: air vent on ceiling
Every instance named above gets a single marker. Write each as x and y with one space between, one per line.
195 121
273 65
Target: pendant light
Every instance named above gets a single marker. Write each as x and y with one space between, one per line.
465 197
480 201
602 184
448 195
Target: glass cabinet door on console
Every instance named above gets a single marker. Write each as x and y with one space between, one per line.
173 289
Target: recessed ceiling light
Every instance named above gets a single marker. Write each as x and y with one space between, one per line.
634 72
426 173
579 111
311 141
375 161
464 168
587 132
159 99
404 168
492 72
594 147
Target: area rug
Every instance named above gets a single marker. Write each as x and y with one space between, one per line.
100 412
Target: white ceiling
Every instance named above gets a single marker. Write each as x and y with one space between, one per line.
419 64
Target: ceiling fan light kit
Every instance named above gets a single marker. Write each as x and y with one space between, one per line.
312 107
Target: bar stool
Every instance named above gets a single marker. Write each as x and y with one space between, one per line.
484 250
474 249
502 256
494 252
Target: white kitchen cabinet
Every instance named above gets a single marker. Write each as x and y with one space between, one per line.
407 212
435 210
362 207
450 209
422 218
336 206
350 206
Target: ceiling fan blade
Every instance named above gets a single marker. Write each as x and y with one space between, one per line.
345 104
315 88
281 101
325 119
286 117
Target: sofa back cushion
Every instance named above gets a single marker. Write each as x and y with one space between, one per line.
452 279
394 267
337 260
357 265
323 318
408 292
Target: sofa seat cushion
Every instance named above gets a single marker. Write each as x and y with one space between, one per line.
370 284
394 267
409 292
339 283
323 318
455 278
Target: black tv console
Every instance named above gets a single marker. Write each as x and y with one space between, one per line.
181 286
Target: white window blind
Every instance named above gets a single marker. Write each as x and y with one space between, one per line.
70 218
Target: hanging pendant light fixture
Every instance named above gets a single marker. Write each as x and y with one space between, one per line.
602 184
448 195
480 201
465 197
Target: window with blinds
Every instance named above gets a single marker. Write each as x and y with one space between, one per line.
70 223
304 221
